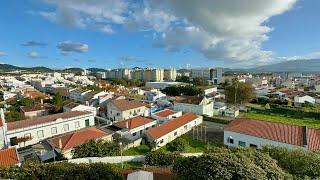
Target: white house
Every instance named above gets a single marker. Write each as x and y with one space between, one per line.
121 109
298 100
31 131
167 132
194 104
153 96
165 115
134 128
254 133
79 107
79 95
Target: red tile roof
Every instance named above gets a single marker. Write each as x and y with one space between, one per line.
289 134
172 125
134 122
8 157
124 104
36 107
44 119
77 138
165 113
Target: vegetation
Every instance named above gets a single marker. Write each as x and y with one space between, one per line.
239 92
184 79
62 170
98 148
188 90
178 144
299 163
159 158
189 145
222 163
139 150
128 83
199 81
283 119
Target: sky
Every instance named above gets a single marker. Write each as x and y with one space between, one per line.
158 33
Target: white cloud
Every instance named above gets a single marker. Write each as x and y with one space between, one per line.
228 30
34 55
68 46
2 54
34 43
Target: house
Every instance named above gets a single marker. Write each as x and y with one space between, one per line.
153 96
9 157
149 173
210 90
79 95
254 133
167 132
35 110
194 104
65 143
31 131
134 128
165 115
231 112
219 108
33 94
79 107
121 109
298 100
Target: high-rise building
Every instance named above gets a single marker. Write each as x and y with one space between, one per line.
170 74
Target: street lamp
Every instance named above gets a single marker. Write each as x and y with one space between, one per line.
120 144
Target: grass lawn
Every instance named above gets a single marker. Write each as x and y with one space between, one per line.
139 150
194 146
286 120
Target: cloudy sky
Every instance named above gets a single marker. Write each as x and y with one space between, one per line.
158 33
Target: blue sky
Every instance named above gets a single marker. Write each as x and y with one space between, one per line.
181 33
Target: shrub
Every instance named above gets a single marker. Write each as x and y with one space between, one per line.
178 144
62 170
96 149
158 158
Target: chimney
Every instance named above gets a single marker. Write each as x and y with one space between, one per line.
304 136
60 143
127 124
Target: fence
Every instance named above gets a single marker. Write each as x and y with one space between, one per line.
119 159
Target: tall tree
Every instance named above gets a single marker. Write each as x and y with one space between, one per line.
239 92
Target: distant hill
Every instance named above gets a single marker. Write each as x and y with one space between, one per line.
94 70
8 67
312 65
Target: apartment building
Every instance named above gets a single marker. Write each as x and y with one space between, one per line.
169 74
169 131
213 75
122 109
31 131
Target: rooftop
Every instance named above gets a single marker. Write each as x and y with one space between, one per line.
189 99
289 134
8 157
44 119
72 105
36 107
77 138
172 125
134 122
165 113
124 104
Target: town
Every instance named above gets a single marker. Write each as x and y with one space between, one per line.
75 116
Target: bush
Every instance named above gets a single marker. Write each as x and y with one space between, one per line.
188 90
178 144
222 163
297 162
62 170
158 158
96 149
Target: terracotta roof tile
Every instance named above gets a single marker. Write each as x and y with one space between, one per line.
289 134
172 125
124 104
77 138
165 113
44 119
36 107
8 157
134 122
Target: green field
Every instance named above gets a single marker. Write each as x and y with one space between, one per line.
194 146
282 119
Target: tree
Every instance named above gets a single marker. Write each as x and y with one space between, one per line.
184 79
98 148
199 81
57 101
178 144
188 90
239 92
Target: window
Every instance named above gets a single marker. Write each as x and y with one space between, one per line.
28 135
242 144
175 133
253 146
230 140
138 110
195 122
66 127
13 141
140 132
77 124
118 114
87 122
185 127
161 141
40 134
54 130
134 134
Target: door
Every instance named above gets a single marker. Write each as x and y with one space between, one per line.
87 123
